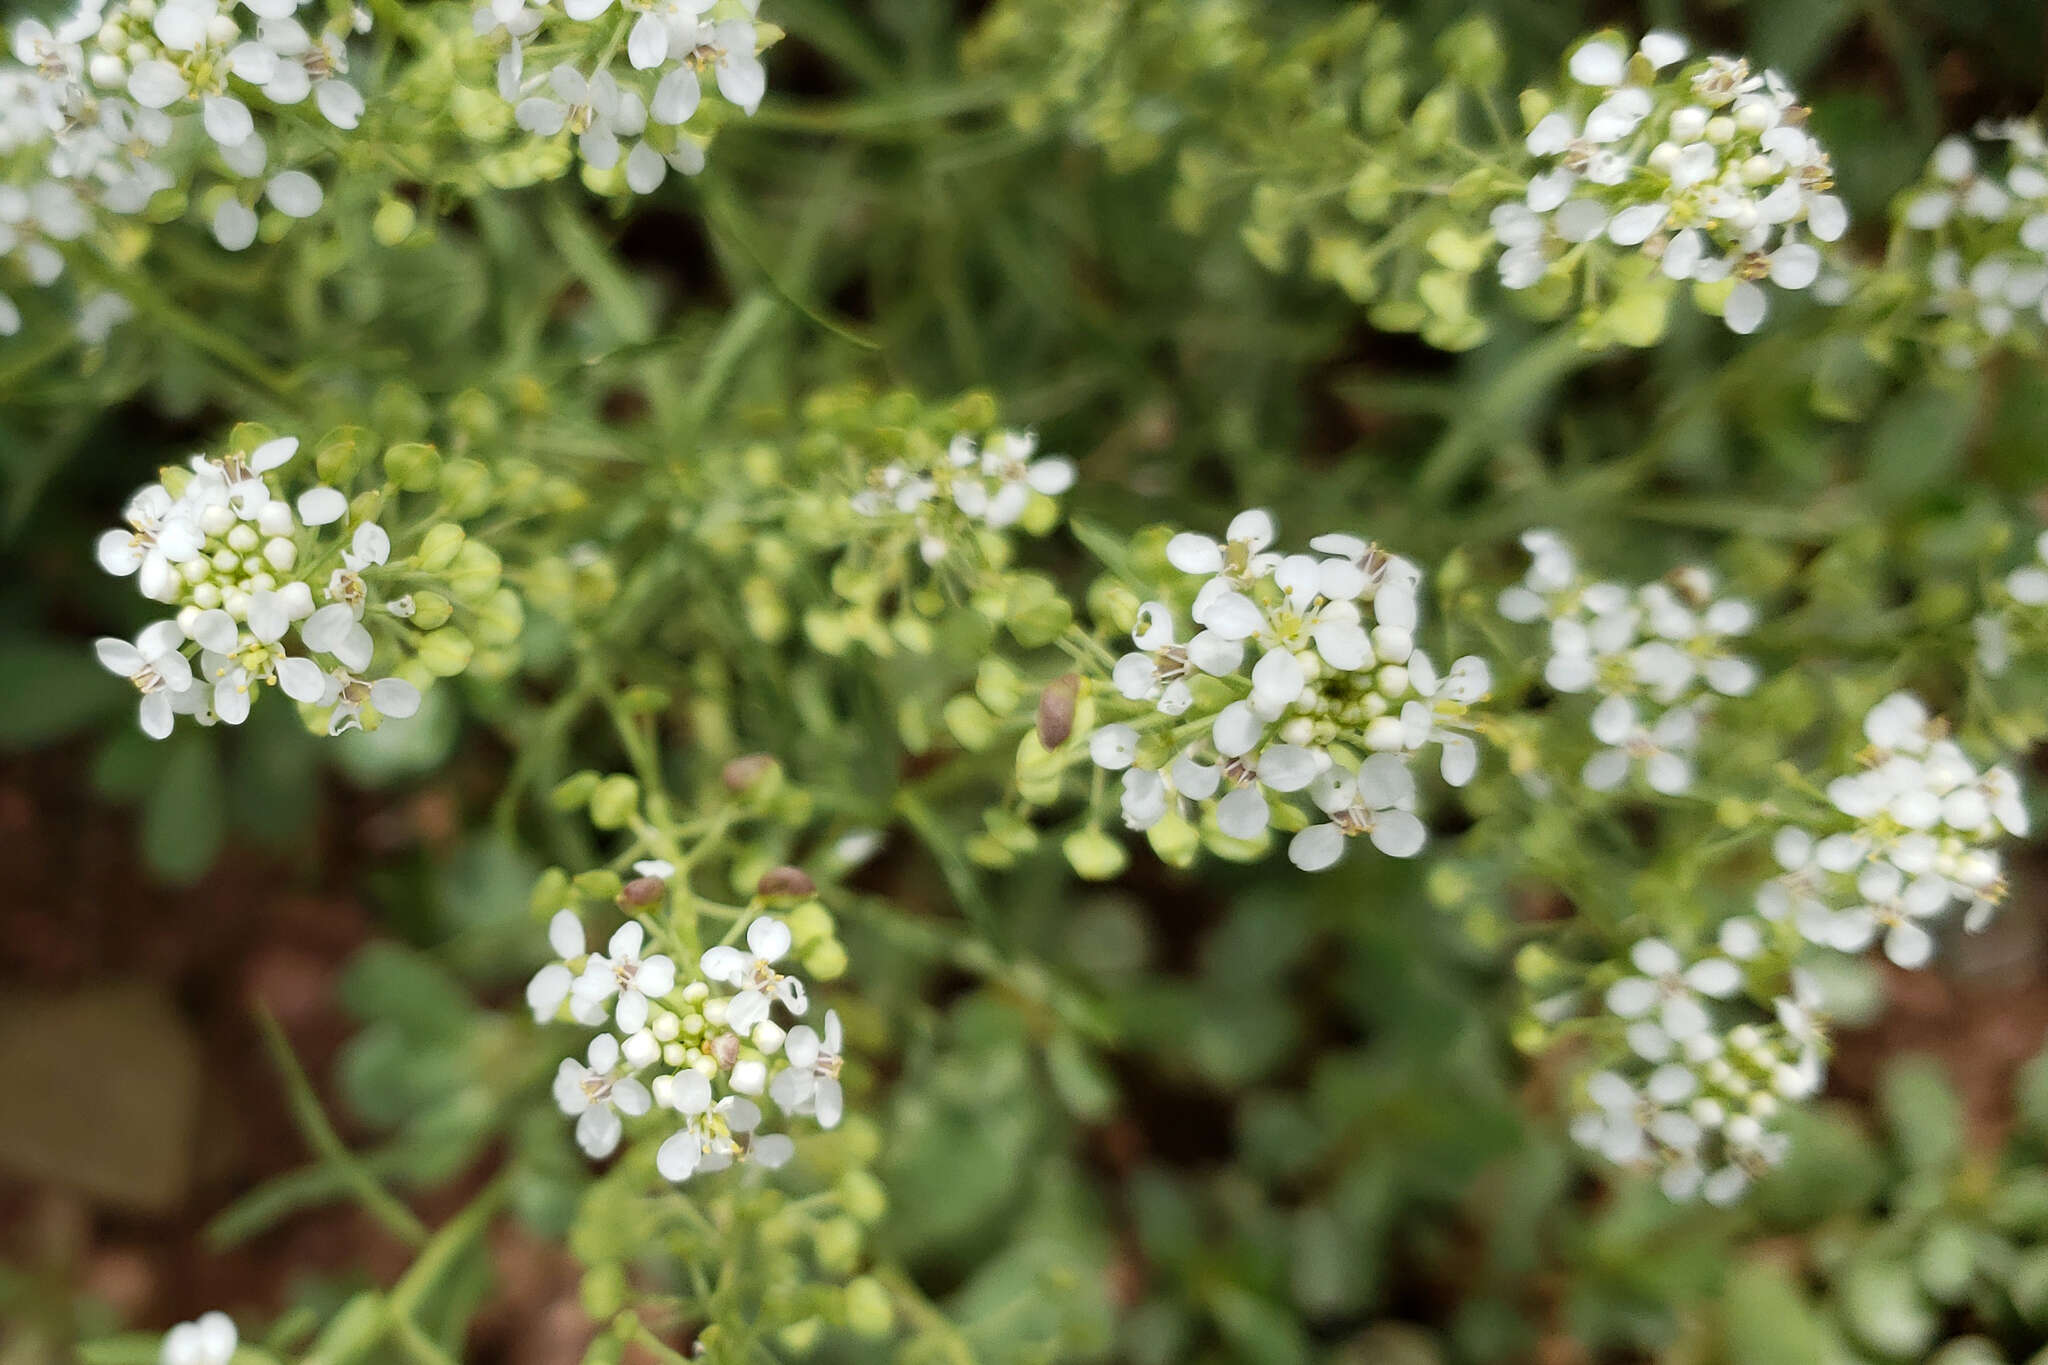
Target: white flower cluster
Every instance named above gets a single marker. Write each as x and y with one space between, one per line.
631 115
1708 170
209 1339
1693 1101
1904 841
989 483
715 1043
1986 231
241 569
1656 655
1302 676
98 98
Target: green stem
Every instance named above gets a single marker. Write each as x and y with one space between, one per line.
394 1216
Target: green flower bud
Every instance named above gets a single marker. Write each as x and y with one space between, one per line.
808 923
765 607
827 961
1094 855
1035 611
1435 119
430 611
475 574
551 888
439 546
500 619
1344 260
1471 52
614 802
445 653
969 722
574 790
394 221
339 457
603 1291
868 1313
801 1338
837 1243
862 1196
598 884
465 488
1383 102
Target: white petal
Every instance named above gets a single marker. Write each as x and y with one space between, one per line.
647 47
394 698
1598 63
768 938
1243 814
1315 848
301 679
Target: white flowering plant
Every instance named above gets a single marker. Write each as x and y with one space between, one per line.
1105 680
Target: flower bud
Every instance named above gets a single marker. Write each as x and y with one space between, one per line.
1056 710
642 892
758 774
785 881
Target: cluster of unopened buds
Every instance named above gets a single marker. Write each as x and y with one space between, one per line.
630 117
713 1047
1979 218
991 483
1689 1095
1706 167
245 574
1657 656
89 117
1902 842
1301 676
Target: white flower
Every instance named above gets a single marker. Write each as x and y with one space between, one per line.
595 1095
1672 989
1239 557
390 698
810 1083
621 970
1376 801
1655 168
157 667
1664 748
753 972
715 1135
554 985
1322 670
1008 476
210 1339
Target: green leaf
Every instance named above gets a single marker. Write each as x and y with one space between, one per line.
1765 1320
1884 1309
1917 441
1925 1117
